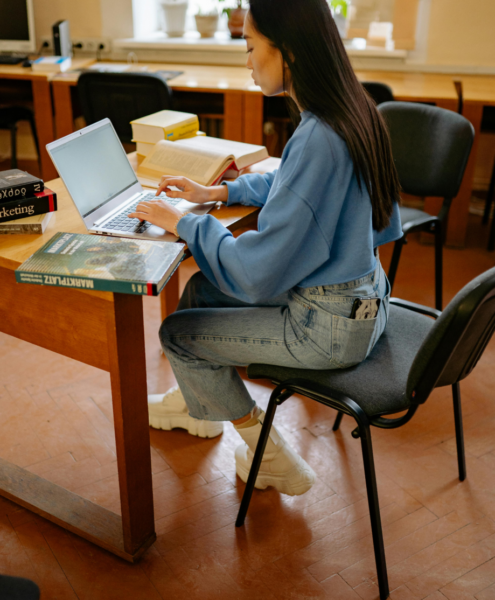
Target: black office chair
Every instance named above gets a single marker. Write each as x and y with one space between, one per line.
18 588
488 124
414 356
431 147
380 92
9 118
122 97
488 206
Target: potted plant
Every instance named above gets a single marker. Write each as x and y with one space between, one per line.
236 18
174 17
207 20
339 12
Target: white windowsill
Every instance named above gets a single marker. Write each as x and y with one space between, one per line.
222 49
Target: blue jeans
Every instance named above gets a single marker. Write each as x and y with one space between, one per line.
306 328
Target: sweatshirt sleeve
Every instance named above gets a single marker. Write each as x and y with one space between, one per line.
251 189
259 265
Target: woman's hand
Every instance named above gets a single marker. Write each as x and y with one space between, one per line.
158 212
191 191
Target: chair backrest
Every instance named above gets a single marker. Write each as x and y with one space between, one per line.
430 146
122 97
456 341
380 92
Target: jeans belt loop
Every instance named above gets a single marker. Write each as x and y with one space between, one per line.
321 291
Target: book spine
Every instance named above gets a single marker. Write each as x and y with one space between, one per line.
31 228
181 132
27 207
8 194
86 283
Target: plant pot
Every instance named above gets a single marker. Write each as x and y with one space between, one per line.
174 18
206 25
236 22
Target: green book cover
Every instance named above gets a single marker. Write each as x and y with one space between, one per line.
104 263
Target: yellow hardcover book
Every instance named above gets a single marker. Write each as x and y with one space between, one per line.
168 125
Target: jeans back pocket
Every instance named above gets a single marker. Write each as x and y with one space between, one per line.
352 340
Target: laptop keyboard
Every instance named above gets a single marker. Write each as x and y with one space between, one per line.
121 221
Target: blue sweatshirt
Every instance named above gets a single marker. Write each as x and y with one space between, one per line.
314 227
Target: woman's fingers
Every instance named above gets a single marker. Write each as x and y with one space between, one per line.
166 182
139 215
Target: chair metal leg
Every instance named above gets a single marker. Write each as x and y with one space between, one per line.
438 265
376 523
394 263
258 456
338 421
459 433
13 147
489 198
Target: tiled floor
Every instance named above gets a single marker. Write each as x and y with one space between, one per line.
439 533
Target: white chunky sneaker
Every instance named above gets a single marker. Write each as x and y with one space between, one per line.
281 467
169 411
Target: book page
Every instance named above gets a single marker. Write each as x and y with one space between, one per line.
199 164
244 154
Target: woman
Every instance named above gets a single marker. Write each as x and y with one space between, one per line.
283 294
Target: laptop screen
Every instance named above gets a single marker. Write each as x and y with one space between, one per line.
94 168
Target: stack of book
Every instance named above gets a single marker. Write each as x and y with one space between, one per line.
168 125
26 206
171 144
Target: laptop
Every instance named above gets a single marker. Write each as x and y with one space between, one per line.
103 186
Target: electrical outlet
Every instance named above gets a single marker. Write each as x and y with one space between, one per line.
91 45
47 42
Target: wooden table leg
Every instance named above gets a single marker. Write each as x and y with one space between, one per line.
459 211
233 128
253 118
125 334
64 116
169 298
43 115
111 338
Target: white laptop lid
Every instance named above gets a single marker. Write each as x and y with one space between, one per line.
95 169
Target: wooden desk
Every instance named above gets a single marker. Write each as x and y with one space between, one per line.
106 331
243 102
43 110
417 87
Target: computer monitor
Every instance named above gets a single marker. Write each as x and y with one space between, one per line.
17 26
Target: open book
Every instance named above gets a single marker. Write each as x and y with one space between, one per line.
203 159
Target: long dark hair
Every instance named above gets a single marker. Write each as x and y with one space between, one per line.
325 84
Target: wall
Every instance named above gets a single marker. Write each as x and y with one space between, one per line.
84 16
461 33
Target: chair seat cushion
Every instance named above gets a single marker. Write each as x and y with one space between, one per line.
413 217
379 383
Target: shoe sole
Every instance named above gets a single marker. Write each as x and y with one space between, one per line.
199 428
280 482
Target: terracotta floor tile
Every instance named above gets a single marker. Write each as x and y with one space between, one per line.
486 594
337 588
48 572
473 582
424 560
97 575
452 568
356 563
